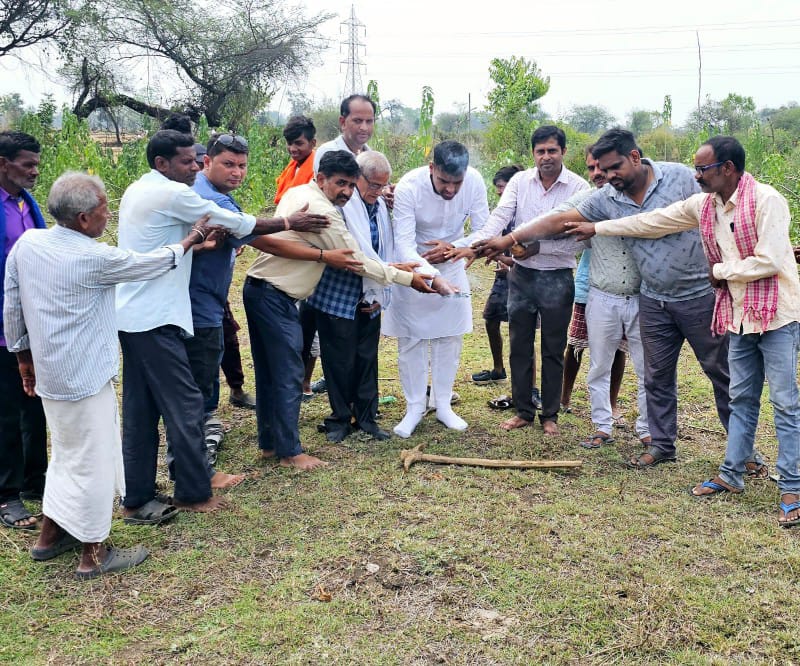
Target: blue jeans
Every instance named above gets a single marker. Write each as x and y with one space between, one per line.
750 357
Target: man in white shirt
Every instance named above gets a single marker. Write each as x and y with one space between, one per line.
431 206
357 123
154 319
60 320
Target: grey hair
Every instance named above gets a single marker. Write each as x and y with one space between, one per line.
74 192
373 163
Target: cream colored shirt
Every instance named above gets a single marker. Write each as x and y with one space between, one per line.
299 278
772 254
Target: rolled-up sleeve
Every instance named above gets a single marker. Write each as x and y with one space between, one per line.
188 206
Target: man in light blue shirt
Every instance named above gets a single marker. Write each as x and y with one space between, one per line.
154 319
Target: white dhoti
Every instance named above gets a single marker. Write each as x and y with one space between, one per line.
85 468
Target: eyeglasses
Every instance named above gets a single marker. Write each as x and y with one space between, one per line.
375 187
230 141
702 169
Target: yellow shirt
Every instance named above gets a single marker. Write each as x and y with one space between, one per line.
299 278
772 254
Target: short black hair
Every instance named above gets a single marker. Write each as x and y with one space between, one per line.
339 161
547 132
12 142
504 174
178 121
619 140
728 149
451 157
165 143
222 141
344 108
297 125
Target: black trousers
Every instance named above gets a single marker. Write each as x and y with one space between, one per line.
204 350
157 382
533 293
349 350
23 434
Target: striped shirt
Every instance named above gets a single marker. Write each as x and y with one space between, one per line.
60 304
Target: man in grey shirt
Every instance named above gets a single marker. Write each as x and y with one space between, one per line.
676 301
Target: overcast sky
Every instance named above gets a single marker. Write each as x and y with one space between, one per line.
621 55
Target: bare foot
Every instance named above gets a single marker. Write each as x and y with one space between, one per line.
220 480
515 422
791 517
213 503
267 454
303 462
550 428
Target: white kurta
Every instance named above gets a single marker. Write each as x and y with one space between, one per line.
421 215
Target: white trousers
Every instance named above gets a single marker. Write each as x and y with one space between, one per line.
608 317
85 468
413 357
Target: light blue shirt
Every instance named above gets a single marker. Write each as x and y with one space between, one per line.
156 211
60 304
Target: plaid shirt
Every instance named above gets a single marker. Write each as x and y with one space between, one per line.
338 292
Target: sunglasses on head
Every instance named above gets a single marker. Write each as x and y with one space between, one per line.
230 141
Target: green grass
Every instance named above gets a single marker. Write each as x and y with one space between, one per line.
443 564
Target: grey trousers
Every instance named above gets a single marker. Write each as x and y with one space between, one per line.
664 326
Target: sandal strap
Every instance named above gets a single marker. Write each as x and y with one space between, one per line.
786 508
714 486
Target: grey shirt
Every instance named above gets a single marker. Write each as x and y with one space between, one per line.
673 268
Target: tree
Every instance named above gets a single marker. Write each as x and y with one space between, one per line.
25 23
735 113
641 121
11 109
590 119
512 102
227 57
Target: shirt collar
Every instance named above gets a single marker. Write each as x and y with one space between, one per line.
658 174
562 176
5 196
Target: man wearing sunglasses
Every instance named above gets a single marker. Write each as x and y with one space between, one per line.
744 226
154 320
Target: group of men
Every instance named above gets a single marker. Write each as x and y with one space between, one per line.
350 245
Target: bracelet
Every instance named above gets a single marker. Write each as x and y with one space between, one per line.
200 233
511 234
286 225
320 256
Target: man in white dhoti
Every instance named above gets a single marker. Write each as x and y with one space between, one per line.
430 208
60 320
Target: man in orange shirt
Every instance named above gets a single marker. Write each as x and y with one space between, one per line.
299 133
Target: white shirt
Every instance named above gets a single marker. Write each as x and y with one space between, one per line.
336 144
421 215
60 304
524 199
156 211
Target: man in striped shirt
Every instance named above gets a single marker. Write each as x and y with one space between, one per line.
60 320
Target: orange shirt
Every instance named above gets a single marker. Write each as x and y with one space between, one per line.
292 176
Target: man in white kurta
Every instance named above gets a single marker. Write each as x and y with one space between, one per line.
431 207
59 318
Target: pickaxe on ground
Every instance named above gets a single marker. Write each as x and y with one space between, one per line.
410 456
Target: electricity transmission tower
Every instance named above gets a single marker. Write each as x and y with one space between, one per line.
352 81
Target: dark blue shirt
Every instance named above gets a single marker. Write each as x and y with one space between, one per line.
212 272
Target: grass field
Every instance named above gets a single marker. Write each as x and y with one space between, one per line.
361 563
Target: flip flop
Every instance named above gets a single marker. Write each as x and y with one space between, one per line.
657 455
14 510
596 441
718 489
501 402
152 513
65 542
786 508
116 559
